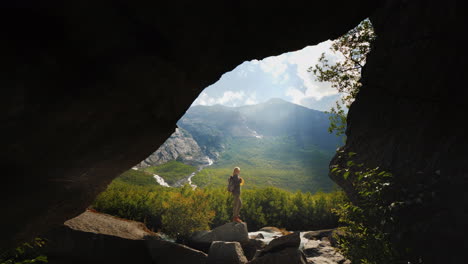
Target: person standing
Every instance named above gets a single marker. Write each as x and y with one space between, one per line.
234 186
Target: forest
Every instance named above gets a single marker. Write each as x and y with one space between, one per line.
178 212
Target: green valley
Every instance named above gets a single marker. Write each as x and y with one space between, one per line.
171 171
270 161
276 143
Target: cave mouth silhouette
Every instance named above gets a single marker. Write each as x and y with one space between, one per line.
283 82
80 93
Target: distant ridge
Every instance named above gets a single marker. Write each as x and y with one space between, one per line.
275 137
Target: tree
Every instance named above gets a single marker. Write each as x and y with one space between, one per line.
345 75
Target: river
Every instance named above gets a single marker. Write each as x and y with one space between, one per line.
188 179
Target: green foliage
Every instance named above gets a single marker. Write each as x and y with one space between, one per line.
171 171
25 253
270 161
180 211
345 75
292 152
293 211
371 223
137 177
186 212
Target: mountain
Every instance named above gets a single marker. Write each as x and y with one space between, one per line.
275 143
179 146
277 117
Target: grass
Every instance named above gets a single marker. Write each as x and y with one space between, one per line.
269 161
136 177
171 171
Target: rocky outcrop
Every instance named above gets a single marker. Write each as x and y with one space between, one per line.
321 252
179 146
230 232
285 256
66 245
284 249
319 234
252 247
99 238
406 119
289 241
226 253
172 253
99 223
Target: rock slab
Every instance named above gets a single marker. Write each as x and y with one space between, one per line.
286 256
289 241
230 232
222 252
318 234
322 252
168 252
99 223
100 238
252 247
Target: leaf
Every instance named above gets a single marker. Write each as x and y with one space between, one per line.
345 175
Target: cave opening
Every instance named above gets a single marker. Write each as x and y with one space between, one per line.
101 90
271 118
267 117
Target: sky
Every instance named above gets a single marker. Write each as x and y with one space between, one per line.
284 76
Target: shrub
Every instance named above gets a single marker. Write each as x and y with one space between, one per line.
25 253
185 214
373 231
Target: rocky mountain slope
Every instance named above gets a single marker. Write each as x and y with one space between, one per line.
179 146
204 130
278 142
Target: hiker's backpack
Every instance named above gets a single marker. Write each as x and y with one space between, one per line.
230 186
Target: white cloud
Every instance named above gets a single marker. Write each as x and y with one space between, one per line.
230 96
295 94
283 76
252 99
306 58
274 65
204 99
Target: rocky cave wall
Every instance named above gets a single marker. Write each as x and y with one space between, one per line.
407 119
91 88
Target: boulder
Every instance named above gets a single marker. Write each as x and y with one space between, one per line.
289 241
319 234
230 232
69 246
168 252
320 251
286 256
100 223
222 252
94 237
252 247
